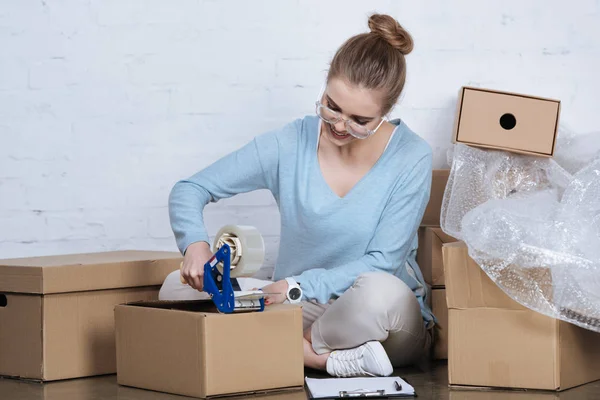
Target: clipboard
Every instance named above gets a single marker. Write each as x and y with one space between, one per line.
350 388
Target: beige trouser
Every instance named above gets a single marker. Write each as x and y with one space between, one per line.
378 306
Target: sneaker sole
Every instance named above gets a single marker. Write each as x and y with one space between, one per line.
378 351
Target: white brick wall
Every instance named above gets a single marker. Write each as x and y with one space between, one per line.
105 104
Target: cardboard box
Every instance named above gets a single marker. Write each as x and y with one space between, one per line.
190 349
429 255
431 216
106 388
56 312
507 121
496 342
440 310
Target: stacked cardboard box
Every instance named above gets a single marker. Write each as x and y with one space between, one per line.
491 120
56 312
493 341
429 258
496 342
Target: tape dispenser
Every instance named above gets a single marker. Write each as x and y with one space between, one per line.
238 251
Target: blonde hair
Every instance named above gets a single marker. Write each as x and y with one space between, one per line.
375 60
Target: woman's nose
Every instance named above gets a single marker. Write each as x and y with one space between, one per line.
340 126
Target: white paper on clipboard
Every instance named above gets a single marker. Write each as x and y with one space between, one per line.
328 388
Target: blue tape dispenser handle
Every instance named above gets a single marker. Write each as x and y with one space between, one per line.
219 285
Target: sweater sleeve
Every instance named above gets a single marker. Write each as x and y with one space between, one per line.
254 166
389 247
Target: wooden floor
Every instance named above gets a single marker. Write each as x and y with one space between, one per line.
432 384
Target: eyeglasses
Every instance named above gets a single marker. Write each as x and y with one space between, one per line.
333 117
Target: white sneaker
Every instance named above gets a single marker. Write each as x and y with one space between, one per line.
370 359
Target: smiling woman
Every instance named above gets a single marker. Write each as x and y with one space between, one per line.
352 186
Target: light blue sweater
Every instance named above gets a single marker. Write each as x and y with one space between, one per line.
326 240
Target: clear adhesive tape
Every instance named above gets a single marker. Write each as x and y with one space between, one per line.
247 249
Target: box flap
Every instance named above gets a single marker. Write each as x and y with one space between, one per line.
467 285
438 239
87 271
429 254
439 179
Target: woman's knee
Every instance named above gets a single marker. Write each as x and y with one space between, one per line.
383 292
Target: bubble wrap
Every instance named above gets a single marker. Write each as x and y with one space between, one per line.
575 151
533 227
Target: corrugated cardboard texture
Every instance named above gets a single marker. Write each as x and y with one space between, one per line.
467 284
498 343
206 354
439 179
468 393
161 350
79 331
534 129
21 336
579 355
62 336
268 350
503 348
105 389
440 310
429 255
90 271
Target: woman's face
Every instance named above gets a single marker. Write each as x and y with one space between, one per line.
360 105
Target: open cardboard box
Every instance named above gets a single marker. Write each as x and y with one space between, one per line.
56 312
189 348
429 255
496 342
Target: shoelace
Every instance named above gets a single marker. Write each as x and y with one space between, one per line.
348 355
346 362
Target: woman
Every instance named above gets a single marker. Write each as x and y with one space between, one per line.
351 188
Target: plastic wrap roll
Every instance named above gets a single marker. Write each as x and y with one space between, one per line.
247 249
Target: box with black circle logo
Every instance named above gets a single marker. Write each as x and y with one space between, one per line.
507 121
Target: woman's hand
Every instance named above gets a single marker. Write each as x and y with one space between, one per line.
280 289
192 271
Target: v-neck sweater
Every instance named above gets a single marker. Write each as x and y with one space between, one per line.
326 240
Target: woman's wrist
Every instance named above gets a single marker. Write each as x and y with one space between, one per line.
197 246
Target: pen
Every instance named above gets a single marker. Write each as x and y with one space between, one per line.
398 386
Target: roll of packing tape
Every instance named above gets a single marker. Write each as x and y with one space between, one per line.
247 249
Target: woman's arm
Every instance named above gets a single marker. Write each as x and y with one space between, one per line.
252 167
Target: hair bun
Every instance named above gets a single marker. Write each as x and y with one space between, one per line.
390 30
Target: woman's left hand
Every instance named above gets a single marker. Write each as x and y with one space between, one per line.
280 289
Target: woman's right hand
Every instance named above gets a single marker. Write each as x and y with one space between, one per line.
192 271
